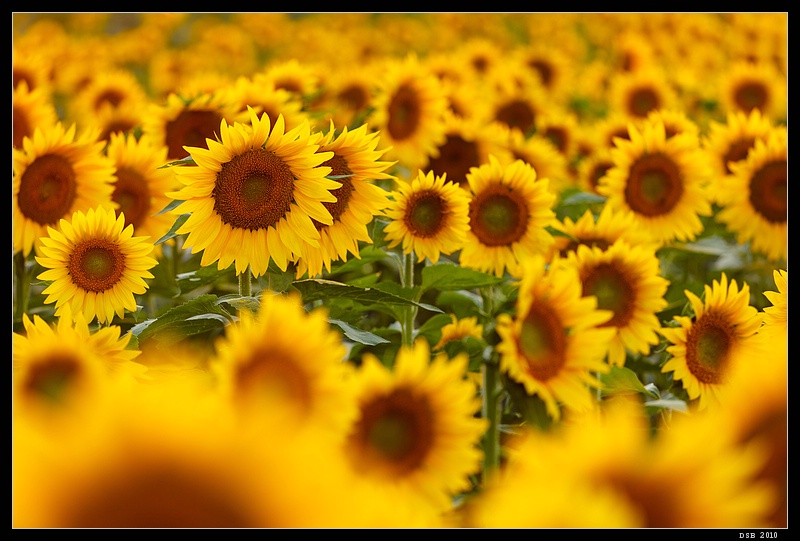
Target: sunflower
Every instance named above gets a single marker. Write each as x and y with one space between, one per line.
776 316
640 92
262 95
625 279
347 94
555 341
675 121
706 347
95 265
600 231
745 86
468 143
517 103
56 174
108 89
254 195
30 109
540 153
169 457
685 477
428 215
458 329
662 180
187 120
509 211
417 431
356 164
552 66
142 184
285 363
591 168
126 119
729 142
65 367
756 197
301 79
409 106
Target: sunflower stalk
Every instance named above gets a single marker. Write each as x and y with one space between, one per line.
245 285
491 412
410 311
21 287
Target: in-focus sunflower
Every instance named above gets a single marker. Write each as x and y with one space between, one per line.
662 180
509 211
409 107
730 142
56 174
95 265
30 109
626 280
254 194
428 216
287 364
756 198
357 165
554 343
601 231
417 431
745 86
776 317
468 143
140 191
187 120
707 346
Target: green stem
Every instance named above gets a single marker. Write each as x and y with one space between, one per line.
490 411
410 311
245 289
22 287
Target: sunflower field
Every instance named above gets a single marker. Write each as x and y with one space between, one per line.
400 270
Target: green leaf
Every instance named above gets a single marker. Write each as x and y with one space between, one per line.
431 330
622 380
358 335
447 276
196 316
172 230
317 289
189 281
674 404
241 303
188 160
171 206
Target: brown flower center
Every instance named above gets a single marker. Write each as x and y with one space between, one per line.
613 290
47 189
655 185
254 190
111 97
96 265
133 196
542 341
20 126
516 114
751 95
339 168
707 346
544 70
643 100
425 213
737 151
404 113
190 128
768 191
498 216
456 157
53 379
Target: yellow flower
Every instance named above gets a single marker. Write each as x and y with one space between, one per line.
428 216
554 343
458 329
254 194
756 198
30 109
417 432
706 347
95 265
509 211
640 92
55 175
746 85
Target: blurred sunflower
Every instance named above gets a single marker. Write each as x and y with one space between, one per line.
261 94
468 143
254 194
299 78
625 279
428 216
30 109
591 168
561 129
108 89
745 86
54 175
140 191
707 346
675 121
756 198
554 343
729 142
599 231
267 371
356 164
458 329
509 211
640 92
776 316
125 119
187 120
408 109
95 265
417 432
662 180
346 94
517 105
552 66
543 156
